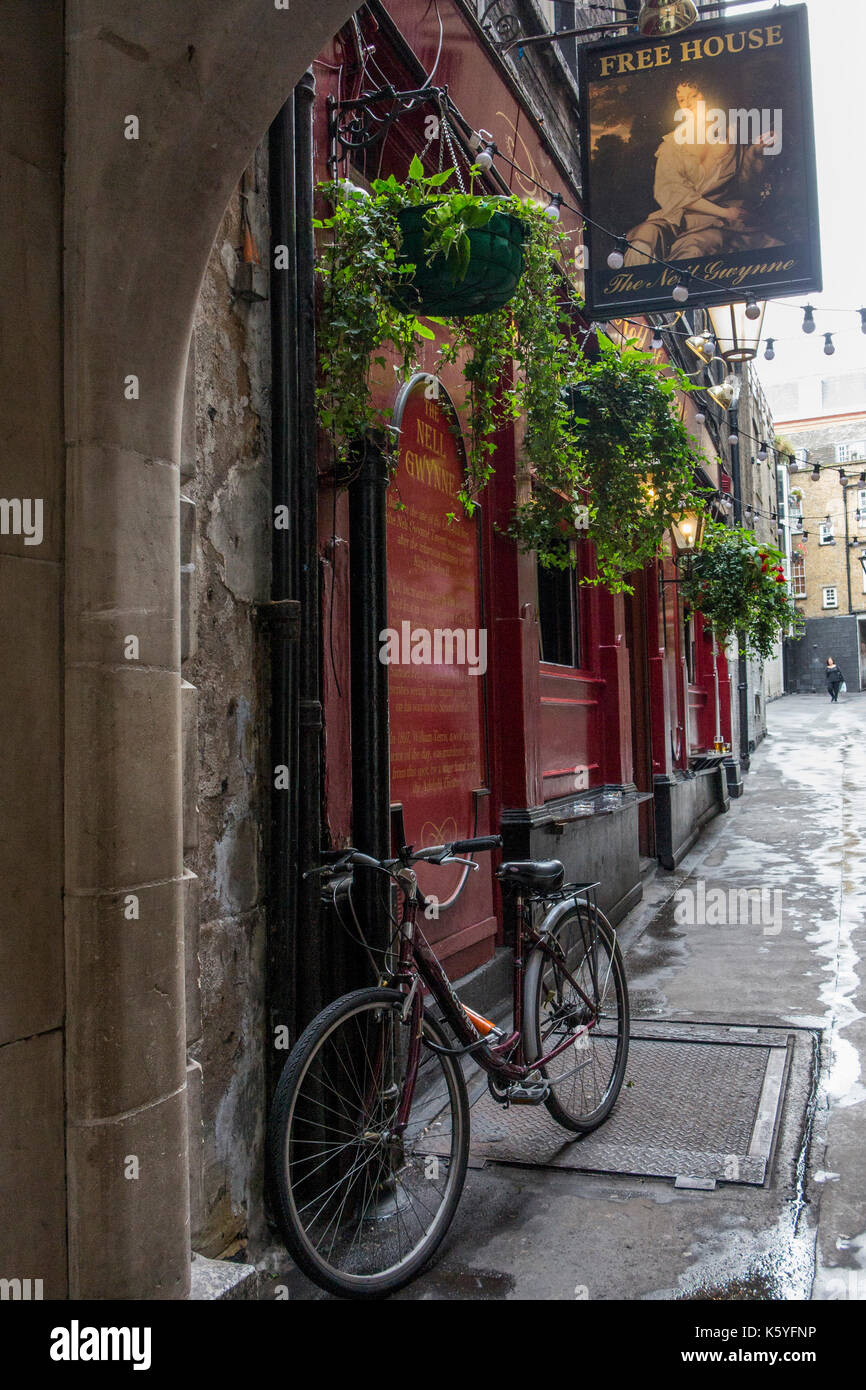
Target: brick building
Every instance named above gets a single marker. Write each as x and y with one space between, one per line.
825 421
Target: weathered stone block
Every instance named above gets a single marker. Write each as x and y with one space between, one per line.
32 1165
126 1037
31 842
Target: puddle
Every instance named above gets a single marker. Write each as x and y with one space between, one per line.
478 1285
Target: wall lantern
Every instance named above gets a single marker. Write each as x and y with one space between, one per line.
738 328
687 532
666 16
727 393
703 345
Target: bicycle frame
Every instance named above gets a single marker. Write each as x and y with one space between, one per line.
417 961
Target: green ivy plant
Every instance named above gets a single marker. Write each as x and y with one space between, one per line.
632 460
605 451
738 583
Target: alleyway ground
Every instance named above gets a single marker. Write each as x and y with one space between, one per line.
524 1233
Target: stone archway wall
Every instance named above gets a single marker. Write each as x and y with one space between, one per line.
204 79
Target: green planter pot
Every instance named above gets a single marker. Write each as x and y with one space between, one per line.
495 268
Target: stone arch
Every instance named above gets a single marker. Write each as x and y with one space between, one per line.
204 80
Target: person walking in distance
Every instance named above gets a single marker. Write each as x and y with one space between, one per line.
834 679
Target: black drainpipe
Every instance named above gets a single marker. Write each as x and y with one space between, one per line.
370 747
309 784
282 863
294 991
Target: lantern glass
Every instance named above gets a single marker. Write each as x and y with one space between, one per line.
738 337
687 532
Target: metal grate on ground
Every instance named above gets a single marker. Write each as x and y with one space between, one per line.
699 1102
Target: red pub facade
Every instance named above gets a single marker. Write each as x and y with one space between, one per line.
578 724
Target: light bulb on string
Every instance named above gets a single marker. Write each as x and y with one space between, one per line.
484 158
616 259
815 474
733 438
753 310
700 415
656 341
808 319
862 313
680 292
551 212
829 347
762 453
770 350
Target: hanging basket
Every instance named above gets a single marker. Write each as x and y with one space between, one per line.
495 268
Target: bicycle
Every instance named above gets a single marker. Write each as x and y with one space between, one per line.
369 1133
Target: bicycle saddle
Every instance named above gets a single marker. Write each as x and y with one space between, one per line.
540 875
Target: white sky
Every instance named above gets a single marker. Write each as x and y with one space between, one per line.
837 34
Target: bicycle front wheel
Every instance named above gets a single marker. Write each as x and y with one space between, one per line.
365 1202
586 1076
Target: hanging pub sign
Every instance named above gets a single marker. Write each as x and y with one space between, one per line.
699 165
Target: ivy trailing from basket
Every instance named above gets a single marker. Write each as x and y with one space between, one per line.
600 436
363 309
632 464
738 583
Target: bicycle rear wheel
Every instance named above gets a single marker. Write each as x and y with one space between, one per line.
362 1207
586 1077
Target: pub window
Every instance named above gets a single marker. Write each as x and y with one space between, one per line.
558 617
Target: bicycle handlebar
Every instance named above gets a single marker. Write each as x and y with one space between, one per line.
340 859
479 842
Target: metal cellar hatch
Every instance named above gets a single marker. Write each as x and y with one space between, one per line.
699 1101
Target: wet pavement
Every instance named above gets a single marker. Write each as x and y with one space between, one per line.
762 924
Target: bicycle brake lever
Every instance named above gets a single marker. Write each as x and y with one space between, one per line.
455 859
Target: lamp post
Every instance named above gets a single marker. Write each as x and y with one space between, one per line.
737 328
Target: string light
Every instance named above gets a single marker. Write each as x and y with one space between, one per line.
616 259
657 341
862 313
551 212
770 350
808 319
829 349
815 474
762 453
680 292
733 438
752 309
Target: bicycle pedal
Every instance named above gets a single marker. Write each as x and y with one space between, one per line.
528 1093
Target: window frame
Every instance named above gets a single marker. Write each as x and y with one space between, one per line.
829 589
577 618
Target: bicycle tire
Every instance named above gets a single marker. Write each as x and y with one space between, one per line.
291 1126
552 1009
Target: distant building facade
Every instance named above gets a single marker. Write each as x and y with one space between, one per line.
828 525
